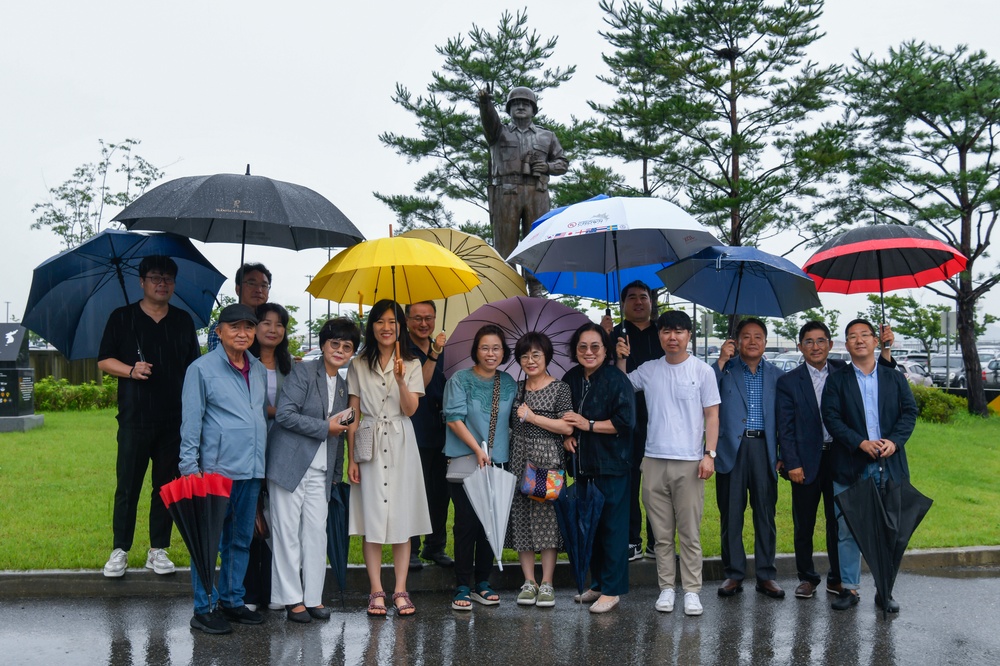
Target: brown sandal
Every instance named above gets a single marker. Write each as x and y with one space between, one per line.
408 606
377 610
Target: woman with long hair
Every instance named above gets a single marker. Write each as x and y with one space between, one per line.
305 457
603 417
536 436
477 403
388 501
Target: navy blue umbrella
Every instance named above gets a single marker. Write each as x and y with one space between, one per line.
741 280
578 510
338 540
73 293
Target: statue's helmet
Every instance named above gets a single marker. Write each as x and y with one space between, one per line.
521 92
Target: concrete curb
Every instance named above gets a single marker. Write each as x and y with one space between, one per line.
144 583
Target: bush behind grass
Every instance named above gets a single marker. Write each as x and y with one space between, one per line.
57 488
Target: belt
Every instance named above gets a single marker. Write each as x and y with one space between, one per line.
826 445
753 434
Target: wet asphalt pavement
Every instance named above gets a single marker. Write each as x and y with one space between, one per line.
950 617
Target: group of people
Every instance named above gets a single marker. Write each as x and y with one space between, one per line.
635 404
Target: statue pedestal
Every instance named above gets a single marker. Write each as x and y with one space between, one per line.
21 423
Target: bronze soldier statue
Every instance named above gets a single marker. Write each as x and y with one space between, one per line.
523 156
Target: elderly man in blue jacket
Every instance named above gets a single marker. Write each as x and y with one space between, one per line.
223 431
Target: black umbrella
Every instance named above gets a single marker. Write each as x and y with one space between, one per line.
337 538
578 509
882 516
198 506
230 208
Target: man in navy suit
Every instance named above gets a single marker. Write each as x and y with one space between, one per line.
747 458
870 411
804 451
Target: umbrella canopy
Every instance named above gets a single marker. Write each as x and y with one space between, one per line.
230 208
198 506
741 280
515 317
408 270
73 293
882 516
556 211
601 286
609 234
578 510
497 279
491 492
338 539
881 258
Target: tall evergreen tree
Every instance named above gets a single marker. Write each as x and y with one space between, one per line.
926 121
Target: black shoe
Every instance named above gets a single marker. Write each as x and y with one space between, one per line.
318 612
211 623
415 563
634 552
302 617
439 558
893 604
845 600
242 615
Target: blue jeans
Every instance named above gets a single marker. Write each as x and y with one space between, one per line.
237 531
847 547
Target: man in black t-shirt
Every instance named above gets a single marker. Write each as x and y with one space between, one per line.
148 345
644 342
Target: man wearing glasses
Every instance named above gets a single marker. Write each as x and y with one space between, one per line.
870 411
430 431
253 287
804 452
148 345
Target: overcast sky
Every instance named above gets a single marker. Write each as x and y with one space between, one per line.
301 90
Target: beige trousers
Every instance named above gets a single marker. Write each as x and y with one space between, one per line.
674 498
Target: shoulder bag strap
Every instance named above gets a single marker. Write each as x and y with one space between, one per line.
495 410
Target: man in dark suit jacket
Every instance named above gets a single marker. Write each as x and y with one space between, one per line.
804 451
870 411
747 457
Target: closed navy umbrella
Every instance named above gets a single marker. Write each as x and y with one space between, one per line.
338 539
73 293
578 510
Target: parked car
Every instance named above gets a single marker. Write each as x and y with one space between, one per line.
915 373
840 355
946 370
991 374
786 364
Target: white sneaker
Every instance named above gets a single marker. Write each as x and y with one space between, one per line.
692 604
252 607
158 561
117 564
665 603
274 606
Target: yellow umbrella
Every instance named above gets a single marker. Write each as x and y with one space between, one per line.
407 270
498 280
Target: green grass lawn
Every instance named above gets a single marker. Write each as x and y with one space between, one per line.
57 488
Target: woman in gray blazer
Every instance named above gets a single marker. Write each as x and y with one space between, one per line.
305 457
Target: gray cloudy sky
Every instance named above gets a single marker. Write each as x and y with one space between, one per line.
301 90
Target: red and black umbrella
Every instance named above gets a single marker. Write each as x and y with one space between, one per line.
881 258
198 506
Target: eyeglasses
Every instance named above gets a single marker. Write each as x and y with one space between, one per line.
815 342
337 345
534 357
160 279
429 319
491 350
254 285
854 337
594 347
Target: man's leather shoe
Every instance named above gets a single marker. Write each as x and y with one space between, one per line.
770 588
845 600
834 588
730 587
438 558
805 590
893 604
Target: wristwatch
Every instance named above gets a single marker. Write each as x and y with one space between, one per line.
591 425
710 453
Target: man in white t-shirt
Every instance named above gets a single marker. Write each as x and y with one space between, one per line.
683 399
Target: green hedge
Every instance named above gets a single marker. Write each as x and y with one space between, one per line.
60 396
936 405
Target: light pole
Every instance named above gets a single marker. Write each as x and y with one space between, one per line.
328 256
310 324
7 318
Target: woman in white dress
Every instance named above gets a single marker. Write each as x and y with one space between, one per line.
388 501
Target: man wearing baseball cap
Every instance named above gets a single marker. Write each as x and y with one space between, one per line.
223 431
